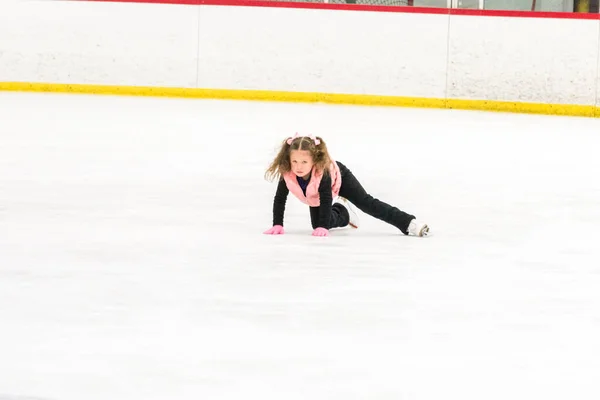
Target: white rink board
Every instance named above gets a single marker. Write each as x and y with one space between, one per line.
542 60
99 43
598 71
523 59
323 51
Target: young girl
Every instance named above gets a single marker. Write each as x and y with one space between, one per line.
305 168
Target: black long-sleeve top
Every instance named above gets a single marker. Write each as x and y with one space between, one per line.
325 198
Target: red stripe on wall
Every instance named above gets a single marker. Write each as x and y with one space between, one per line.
357 7
182 2
524 14
324 6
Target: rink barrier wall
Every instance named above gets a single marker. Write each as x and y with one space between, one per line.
498 71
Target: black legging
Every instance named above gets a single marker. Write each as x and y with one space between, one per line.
353 191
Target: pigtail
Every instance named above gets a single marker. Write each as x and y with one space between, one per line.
280 164
321 156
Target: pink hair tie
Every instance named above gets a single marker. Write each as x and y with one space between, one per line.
296 135
291 138
314 138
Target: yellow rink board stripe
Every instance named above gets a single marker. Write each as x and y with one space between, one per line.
307 97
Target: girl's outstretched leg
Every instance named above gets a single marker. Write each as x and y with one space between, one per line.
353 191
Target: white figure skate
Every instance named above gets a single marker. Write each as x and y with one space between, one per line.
417 228
351 211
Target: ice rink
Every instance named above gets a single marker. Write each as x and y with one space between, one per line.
133 264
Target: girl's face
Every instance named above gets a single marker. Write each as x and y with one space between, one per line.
302 163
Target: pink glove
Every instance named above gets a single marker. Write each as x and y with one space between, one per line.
320 232
275 230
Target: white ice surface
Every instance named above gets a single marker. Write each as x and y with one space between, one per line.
133 265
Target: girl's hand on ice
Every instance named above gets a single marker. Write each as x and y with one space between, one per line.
275 230
320 232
